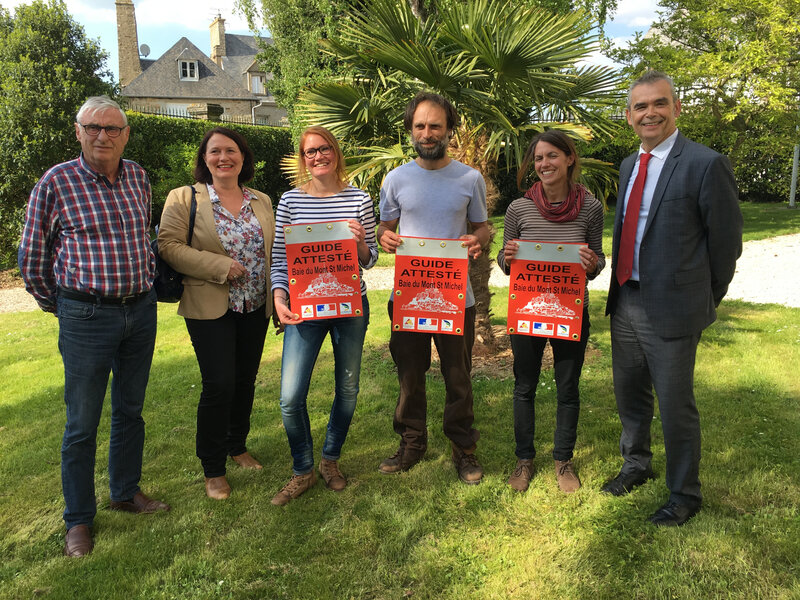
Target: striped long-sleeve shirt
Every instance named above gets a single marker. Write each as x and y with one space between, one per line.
523 221
85 233
296 206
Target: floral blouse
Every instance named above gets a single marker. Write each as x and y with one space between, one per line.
243 239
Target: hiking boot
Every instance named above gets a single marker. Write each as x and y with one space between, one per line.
568 481
331 475
296 486
469 470
521 477
402 460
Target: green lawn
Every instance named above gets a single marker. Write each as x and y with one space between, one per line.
421 534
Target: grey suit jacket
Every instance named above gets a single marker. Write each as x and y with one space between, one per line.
691 240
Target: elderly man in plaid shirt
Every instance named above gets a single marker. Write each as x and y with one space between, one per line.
85 256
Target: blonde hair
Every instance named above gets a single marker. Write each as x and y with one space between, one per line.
302 170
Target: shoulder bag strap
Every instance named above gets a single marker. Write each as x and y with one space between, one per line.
192 213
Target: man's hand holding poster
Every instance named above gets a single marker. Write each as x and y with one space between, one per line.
545 292
323 270
430 285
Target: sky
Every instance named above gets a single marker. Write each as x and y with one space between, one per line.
160 23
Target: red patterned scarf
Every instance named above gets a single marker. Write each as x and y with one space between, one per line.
558 213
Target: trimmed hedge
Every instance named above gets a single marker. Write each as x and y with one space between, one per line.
166 148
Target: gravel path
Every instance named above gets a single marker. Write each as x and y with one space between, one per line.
763 274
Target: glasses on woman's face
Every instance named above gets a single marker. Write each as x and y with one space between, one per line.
310 153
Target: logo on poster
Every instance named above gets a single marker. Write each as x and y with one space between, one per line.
447 325
307 311
562 330
543 328
326 310
524 326
345 308
427 324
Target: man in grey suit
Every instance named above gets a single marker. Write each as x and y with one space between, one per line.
677 235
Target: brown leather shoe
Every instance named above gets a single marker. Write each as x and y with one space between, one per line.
217 488
296 486
78 541
246 461
139 504
331 475
521 477
467 465
402 460
568 481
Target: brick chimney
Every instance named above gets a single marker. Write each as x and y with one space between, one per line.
127 43
218 39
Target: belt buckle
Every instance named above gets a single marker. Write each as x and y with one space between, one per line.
128 299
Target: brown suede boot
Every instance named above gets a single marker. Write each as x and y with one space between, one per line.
402 460
467 465
521 477
568 481
296 486
331 475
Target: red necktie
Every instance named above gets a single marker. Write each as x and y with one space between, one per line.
628 238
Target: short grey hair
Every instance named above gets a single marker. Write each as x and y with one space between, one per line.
99 103
653 76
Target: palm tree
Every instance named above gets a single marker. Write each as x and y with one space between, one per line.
510 70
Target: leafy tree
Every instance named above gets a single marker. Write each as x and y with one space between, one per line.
47 69
296 26
736 64
510 70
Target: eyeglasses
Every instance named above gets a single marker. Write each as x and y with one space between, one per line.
312 152
93 130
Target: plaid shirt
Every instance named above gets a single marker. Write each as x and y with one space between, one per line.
84 233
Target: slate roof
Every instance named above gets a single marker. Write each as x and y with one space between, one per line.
161 79
240 53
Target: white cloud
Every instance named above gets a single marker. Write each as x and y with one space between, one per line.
190 14
638 14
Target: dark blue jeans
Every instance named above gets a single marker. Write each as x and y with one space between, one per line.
567 364
96 340
301 346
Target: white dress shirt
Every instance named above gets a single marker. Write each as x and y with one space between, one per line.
657 160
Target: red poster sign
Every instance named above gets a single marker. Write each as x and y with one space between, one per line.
323 270
545 293
430 285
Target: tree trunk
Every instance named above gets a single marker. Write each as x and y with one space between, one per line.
479 271
468 149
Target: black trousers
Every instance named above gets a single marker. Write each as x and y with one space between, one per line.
228 351
567 364
411 352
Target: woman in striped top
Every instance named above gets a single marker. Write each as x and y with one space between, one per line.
325 197
554 209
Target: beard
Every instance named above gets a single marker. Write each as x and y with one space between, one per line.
435 153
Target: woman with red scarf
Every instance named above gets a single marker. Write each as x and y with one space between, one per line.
554 209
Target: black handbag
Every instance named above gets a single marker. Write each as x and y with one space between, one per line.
168 282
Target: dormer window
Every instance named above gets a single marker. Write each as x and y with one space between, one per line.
257 84
188 70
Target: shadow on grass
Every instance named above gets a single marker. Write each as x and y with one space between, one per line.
420 534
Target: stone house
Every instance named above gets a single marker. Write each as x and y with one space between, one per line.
186 81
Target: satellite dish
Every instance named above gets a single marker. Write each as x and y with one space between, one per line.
144 50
